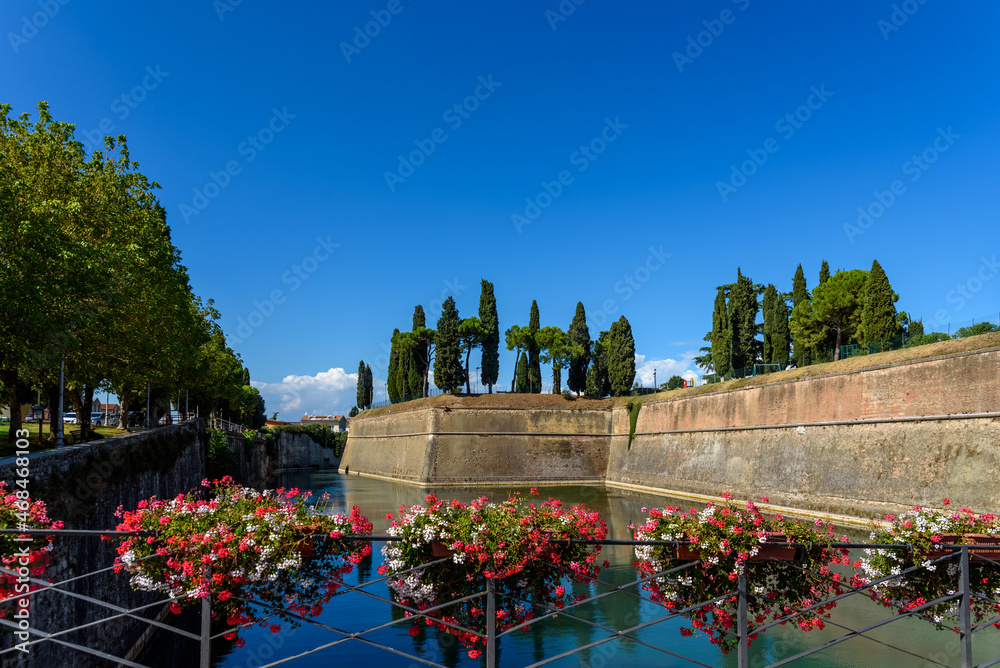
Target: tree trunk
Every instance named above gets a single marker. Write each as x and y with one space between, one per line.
55 420
556 380
468 387
123 407
88 405
836 350
15 418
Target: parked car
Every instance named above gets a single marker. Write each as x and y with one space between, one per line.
69 418
99 419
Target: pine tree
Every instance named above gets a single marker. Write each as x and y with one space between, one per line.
878 315
743 321
621 357
490 370
722 335
448 372
362 387
392 387
534 364
522 374
801 356
768 307
824 272
579 334
417 364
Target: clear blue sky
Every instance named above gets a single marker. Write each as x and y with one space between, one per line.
308 118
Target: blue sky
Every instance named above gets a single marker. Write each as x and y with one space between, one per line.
649 149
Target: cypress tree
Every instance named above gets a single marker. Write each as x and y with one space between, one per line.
781 338
362 394
417 366
801 355
391 382
369 387
621 357
721 335
534 364
597 374
522 374
448 372
768 307
490 370
878 314
824 272
579 333
743 321
916 328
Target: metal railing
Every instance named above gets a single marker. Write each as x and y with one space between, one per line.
963 595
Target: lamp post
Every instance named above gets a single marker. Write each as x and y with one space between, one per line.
59 417
477 379
655 386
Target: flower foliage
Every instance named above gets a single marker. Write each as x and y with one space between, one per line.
728 538
18 511
509 542
241 547
925 529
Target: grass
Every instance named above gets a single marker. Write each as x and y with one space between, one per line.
47 442
555 401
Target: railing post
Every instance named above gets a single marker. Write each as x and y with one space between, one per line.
206 623
965 612
491 624
743 656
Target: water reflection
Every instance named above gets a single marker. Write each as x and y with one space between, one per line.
355 612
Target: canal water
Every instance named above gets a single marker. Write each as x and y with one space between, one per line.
919 643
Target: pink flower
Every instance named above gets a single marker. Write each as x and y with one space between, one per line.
947 502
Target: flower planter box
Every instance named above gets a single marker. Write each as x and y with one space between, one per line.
990 552
766 552
439 549
306 545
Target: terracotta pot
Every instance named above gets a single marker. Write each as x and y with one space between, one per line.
306 545
440 549
765 553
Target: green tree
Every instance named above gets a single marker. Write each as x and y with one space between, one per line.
391 383
579 334
419 356
621 357
878 313
722 335
824 272
675 382
706 360
354 411
835 307
418 345
448 371
598 385
490 345
522 374
518 338
781 336
975 330
534 363
369 387
801 354
557 349
470 335
743 321
768 305
362 393
916 328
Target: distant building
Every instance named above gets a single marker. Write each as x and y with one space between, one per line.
336 423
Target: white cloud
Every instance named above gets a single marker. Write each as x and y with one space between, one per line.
328 392
665 368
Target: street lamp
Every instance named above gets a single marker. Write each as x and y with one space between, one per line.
655 386
477 379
